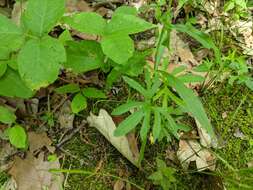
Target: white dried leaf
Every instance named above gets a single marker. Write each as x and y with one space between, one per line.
104 123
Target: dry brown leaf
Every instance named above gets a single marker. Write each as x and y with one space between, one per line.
205 139
38 141
65 116
78 6
104 123
191 151
33 173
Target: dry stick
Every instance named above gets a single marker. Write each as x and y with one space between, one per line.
67 138
56 108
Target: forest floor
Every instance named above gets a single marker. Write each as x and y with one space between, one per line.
89 161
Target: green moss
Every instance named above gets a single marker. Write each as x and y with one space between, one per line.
230 109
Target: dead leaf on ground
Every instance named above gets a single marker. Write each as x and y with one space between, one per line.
65 116
191 151
6 151
119 185
33 173
205 139
104 123
38 141
78 6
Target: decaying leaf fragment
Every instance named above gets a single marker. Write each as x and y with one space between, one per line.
33 173
191 151
104 123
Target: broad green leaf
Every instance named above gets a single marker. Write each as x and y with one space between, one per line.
192 102
11 37
3 68
135 85
68 88
11 85
78 103
41 16
145 125
119 48
65 36
126 107
157 124
17 136
125 24
86 22
39 61
126 10
90 92
6 116
129 123
84 56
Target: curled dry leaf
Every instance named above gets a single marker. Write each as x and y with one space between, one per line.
104 123
33 173
191 151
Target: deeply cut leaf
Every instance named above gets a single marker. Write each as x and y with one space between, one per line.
192 102
39 62
129 123
126 107
41 16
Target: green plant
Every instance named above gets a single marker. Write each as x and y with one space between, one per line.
79 101
164 176
16 134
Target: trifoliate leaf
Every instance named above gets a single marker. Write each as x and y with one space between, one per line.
41 16
11 85
84 56
86 22
127 24
11 37
39 61
3 68
118 48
